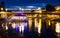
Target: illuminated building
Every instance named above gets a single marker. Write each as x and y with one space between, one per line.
34 19
19 21
57 8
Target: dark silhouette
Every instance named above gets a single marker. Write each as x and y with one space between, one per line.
50 33
50 8
2 6
32 10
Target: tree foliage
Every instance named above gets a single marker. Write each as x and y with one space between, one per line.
50 8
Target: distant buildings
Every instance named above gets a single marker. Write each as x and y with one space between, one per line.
35 17
57 8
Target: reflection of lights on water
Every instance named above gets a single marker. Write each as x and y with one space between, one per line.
49 23
58 27
21 28
6 27
30 22
17 25
36 24
25 24
39 30
39 26
13 25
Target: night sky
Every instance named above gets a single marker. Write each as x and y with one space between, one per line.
37 3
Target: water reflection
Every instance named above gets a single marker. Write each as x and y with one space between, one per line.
58 27
21 30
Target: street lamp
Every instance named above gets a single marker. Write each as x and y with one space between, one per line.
6 9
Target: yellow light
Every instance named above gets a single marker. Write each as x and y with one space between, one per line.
58 28
39 30
29 15
35 15
38 11
40 15
39 27
35 23
30 22
2 12
49 23
52 16
58 8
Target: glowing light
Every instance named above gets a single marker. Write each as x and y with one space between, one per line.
39 26
20 8
52 16
58 27
49 23
6 9
36 24
18 18
34 15
30 22
21 28
6 27
25 24
2 12
30 6
13 25
58 8
39 30
38 8
1 8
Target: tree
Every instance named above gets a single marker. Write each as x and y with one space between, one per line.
50 8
